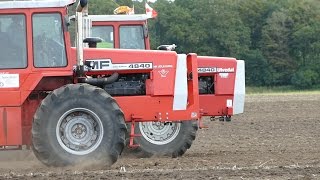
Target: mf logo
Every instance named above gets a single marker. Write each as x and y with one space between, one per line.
163 72
98 64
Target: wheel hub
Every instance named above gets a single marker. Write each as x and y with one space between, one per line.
159 133
79 131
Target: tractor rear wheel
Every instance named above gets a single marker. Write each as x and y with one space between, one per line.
164 139
78 124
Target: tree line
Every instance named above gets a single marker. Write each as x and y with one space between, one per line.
279 40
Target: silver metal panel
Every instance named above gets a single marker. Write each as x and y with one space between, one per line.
180 98
135 17
239 88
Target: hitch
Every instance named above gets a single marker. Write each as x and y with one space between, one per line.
225 118
201 125
132 134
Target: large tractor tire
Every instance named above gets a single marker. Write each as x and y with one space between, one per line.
160 139
78 124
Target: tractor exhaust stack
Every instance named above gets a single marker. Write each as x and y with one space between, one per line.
82 9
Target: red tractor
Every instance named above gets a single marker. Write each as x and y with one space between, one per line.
221 80
71 104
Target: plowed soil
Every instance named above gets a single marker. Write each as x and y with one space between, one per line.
278 137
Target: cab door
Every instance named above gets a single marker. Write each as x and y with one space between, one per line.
13 71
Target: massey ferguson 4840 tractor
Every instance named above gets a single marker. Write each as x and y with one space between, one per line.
221 79
77 105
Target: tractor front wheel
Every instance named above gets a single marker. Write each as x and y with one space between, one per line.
78 125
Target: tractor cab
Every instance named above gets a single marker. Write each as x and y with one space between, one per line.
121 31
34 43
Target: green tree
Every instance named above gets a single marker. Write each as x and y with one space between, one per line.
258 71
305 78
102 7
305 37
279 40
275 37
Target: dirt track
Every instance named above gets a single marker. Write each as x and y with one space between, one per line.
278 137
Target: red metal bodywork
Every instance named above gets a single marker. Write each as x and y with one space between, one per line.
216 104
210 104
17 105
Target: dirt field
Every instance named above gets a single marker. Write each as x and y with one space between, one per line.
278 137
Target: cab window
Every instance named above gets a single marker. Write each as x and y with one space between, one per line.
13 46
106 34
48 41
131 37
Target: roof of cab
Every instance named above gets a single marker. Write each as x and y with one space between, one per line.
34 4
134 17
